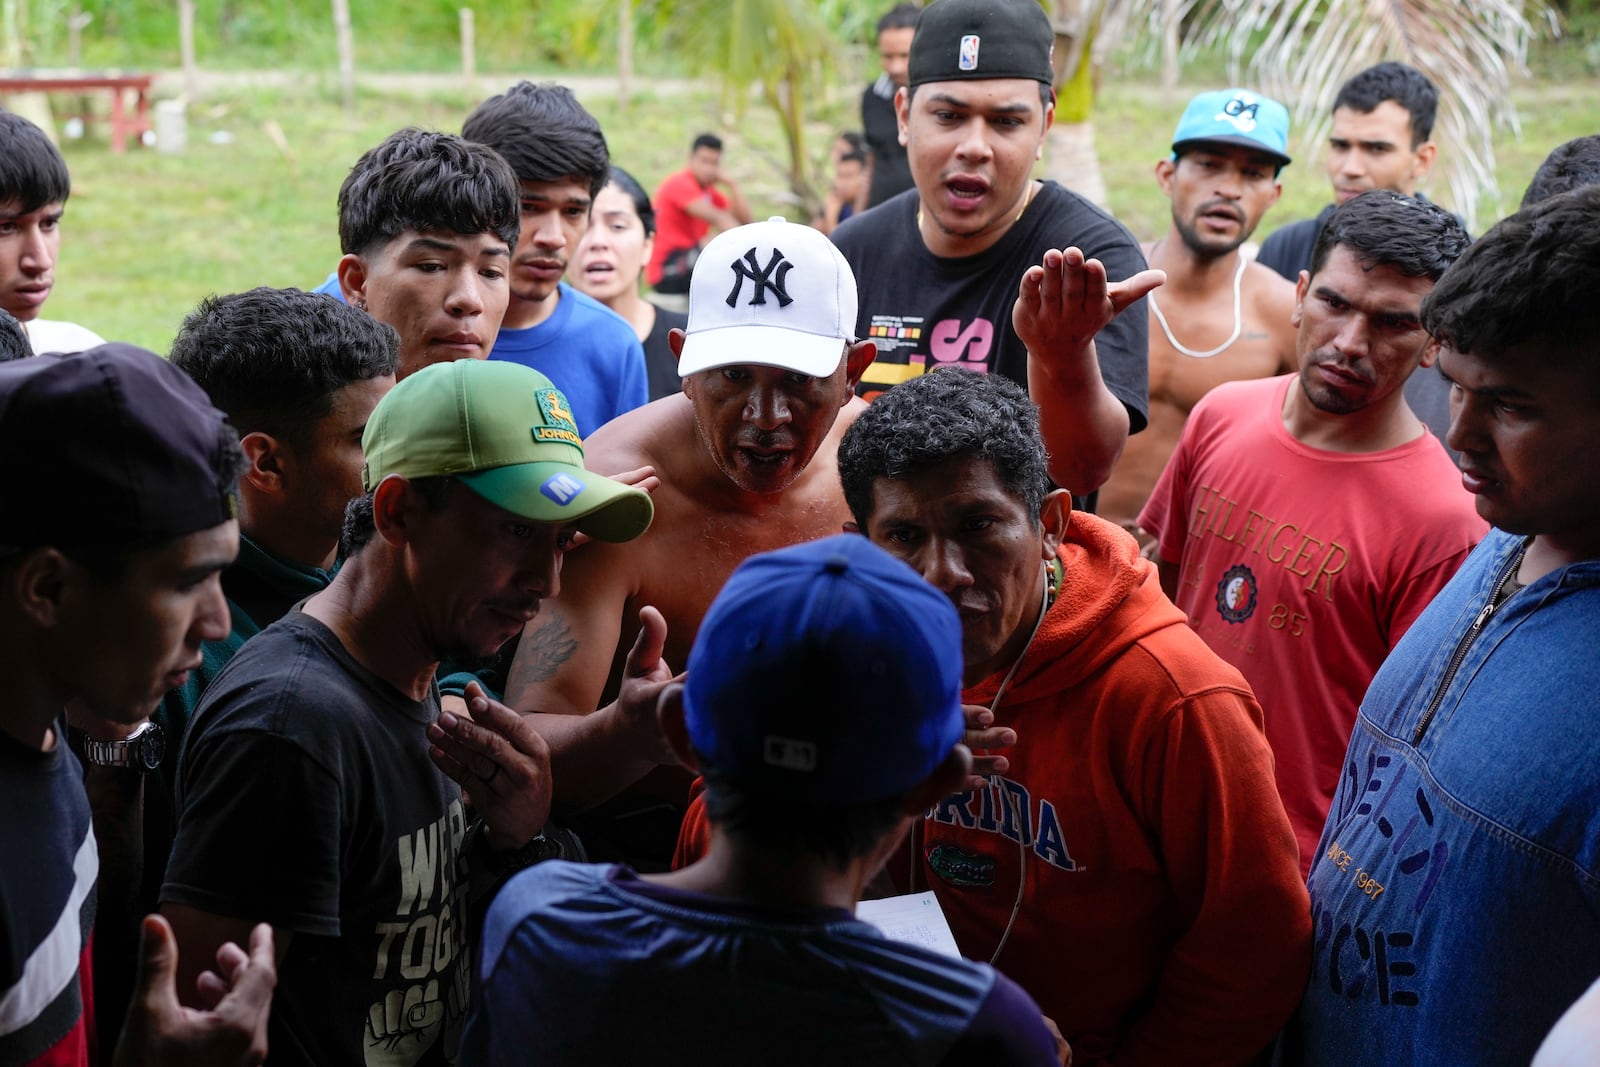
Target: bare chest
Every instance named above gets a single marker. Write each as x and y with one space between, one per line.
691 550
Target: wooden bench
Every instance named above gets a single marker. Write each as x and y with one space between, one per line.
123 125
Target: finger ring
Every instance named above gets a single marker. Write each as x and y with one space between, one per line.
492 774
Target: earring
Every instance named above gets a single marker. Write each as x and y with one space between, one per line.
361 302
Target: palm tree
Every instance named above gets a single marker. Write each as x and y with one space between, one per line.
1301 51
784 52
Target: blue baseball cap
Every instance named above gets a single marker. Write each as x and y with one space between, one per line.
826 673
1235 116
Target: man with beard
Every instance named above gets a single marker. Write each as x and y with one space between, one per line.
1220 317
747 458
561 162
1306 520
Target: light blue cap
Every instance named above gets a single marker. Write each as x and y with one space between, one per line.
1235 116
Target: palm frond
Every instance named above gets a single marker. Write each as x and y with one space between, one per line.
1302 50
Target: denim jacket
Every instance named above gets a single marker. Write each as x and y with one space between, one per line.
1456 890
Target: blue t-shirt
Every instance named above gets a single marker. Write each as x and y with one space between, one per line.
589 352
589 964
331 287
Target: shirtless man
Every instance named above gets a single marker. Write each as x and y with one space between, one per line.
1220 317
747 458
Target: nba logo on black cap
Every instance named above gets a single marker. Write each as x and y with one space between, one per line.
969 52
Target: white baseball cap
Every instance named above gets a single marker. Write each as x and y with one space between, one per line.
774 293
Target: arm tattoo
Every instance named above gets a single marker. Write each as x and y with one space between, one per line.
545 650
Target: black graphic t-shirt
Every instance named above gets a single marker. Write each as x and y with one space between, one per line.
306 799
923 310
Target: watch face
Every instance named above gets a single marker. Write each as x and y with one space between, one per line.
149 747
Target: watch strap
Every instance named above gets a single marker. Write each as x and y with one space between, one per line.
128 752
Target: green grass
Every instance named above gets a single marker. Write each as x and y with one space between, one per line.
148 235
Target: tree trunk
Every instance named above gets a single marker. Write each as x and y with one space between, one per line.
1069 146
1171 22
347 53
1070 159
469 51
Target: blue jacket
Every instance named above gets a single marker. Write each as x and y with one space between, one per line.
1455 895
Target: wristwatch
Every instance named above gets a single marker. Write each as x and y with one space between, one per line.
500 865
140 751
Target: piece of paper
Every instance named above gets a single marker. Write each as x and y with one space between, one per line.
915 918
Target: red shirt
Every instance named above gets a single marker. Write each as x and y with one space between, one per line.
676 229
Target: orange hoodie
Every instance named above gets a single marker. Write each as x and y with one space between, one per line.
1163 919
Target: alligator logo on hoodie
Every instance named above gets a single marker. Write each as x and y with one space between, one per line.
959 867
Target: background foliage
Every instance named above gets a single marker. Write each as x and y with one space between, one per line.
252 200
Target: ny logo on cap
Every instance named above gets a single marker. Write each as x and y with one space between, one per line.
969 52
769 277
1241 111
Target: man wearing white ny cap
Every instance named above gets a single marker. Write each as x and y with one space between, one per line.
747 457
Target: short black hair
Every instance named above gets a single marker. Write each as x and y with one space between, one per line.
360 524
1533 277
544 133
13 339
898 17
32 172
1569 166
1414 236
706 140
946 414
424 181
1406 86
271 359
836 835
641 200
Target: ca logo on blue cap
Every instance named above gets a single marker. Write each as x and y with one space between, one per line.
562 488
1241 112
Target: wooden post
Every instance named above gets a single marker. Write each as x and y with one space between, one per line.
191 69
11 23
469 52
75 24
347 53
625 54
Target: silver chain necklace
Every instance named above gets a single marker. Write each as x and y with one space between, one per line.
1238 320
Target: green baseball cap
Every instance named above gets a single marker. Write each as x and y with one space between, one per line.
506 432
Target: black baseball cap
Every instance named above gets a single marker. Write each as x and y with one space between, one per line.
113 447
959 40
